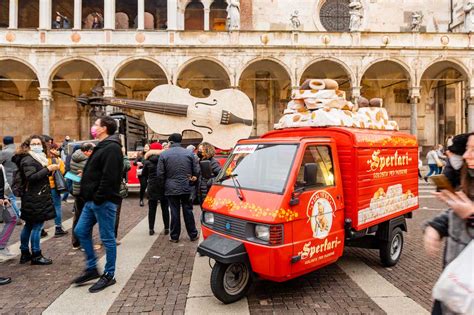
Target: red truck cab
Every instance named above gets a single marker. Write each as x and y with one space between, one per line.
287 203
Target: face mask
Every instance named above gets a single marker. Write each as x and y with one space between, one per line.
36 148
94 132
199 154
456 161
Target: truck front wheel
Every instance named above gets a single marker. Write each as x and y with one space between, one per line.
391 250
230 282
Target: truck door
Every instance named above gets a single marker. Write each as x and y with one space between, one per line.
318 234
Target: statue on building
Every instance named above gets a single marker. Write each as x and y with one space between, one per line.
295 20
233 15
355 24
416 19
469 16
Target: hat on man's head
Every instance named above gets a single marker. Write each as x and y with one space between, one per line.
156 146
459 144
175 138
8 140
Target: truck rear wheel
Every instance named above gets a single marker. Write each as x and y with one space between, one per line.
391 250
230 282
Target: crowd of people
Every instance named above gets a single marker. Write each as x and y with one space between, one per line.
37 172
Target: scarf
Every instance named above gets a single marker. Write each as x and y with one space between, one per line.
40 157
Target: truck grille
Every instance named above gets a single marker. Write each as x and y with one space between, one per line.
229 226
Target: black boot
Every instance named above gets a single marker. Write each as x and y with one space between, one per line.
88 275
25 256
59 232
43 233
5 280
141 203
104 281
39 259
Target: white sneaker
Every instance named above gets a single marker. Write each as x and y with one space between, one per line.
6 252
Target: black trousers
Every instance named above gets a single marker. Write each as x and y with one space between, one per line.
78 205
143 185
176 202
165 212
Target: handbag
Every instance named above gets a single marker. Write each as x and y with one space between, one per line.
59 181
455 285
123 189
439 163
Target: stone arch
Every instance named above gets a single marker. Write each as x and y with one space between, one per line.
61 63
203 74
398 62
443 86
389 79
127 61
279 62
330 68
268 83
196 59
194 15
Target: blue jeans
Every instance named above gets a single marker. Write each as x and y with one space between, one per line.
31 231
433 170
103 214
14 206
57 206
69 189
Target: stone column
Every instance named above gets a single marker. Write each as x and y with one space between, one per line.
45 20
141 15
109 92
172 7
109 14
13 15
207 12
46 98
77 14
414 100
470 113
355 94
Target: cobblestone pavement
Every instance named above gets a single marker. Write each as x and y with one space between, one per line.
160 284
34 288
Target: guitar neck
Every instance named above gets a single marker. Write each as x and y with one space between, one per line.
148 106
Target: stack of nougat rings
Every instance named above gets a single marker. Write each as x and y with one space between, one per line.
320 103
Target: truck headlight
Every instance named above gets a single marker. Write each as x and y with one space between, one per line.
262 232
208 217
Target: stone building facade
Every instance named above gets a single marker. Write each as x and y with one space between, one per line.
424 74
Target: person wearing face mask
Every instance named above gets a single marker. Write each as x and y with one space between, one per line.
455 161
206 152
457 223
54 159
36 201
100 189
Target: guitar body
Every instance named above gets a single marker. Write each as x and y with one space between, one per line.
204 115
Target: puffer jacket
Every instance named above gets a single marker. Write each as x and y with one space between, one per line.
62 169
36 202
78 162
204 182
175 166
155 189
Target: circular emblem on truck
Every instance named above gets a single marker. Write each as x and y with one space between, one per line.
320 212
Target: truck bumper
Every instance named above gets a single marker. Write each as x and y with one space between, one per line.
224 250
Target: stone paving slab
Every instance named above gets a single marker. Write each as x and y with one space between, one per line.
34 288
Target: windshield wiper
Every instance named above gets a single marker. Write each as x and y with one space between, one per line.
235 183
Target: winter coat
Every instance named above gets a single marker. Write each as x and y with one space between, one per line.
102 174
155 188
204 182
78 162
36 202
62 169
175 166
6 160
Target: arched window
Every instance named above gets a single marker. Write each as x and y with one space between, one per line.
28 14
125 13
65 18
156 14
334 15
194 16
218 15
92 9
4 13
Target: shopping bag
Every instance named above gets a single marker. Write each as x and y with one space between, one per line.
59 182
455 286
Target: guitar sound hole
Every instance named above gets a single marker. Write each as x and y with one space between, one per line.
200 126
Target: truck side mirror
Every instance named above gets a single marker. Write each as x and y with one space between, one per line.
206 170
310 170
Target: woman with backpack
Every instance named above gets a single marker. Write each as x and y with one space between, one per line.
36 202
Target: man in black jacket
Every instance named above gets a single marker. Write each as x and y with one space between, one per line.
177 170
100 188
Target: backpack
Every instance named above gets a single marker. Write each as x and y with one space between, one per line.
18 185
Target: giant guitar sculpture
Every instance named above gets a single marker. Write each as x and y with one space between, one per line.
222 118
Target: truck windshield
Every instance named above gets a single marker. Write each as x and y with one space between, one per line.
262 167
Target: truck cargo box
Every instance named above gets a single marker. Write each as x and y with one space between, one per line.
379 171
